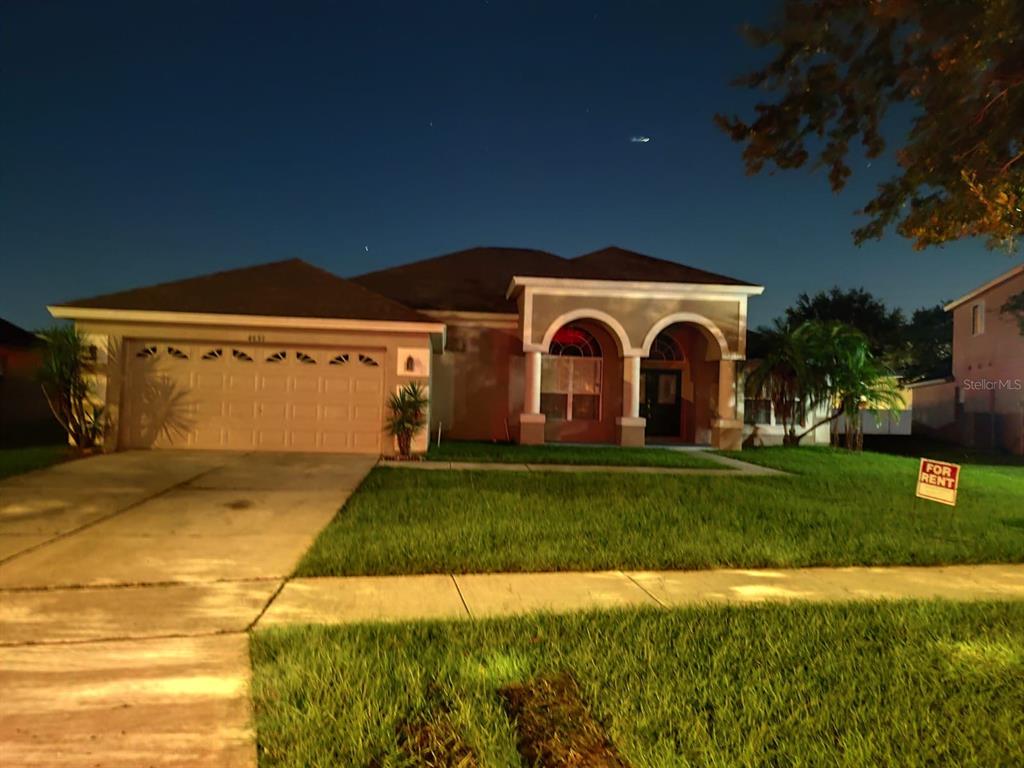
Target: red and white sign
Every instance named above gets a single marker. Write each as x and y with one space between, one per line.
937 481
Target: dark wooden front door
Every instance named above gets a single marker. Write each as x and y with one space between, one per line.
661 402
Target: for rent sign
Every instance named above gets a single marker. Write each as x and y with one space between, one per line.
937 481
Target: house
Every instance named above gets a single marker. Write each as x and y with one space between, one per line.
25 417
512 344
982 404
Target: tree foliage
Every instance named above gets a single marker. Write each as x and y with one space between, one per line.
408 415
826 368
842 65
856 307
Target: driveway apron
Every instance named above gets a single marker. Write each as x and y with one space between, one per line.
127 582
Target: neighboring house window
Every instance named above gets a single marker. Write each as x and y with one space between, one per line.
570 387
978 319
757 409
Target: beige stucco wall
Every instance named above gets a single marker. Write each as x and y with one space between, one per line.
989 368
110 338
477 382
638 315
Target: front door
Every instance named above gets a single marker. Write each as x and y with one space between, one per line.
661 402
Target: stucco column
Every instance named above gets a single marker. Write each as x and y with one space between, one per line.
631 426
631 386
531 420
531 398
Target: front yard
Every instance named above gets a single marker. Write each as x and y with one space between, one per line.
907 684
835 508
15 461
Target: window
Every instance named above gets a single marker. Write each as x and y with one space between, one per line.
214 354
302 357
665 348
241 356
339 360
278 357
367 360
570 387
150 351
757 409
176 353
978 319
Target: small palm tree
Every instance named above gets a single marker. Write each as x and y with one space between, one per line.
781 376
408 416
64 376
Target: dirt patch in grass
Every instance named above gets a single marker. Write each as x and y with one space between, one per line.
555 728
434 741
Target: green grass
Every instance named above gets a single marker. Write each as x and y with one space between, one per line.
836 509
505 453
861 685
15 461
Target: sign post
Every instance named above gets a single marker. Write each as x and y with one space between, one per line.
937 481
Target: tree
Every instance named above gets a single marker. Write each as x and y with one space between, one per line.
1015 306
928 342
65 379
408 415
842 65
858 308
822 366
781 376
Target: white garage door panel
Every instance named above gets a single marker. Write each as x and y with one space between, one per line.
218 396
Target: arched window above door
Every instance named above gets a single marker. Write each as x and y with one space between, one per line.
574 341
665 347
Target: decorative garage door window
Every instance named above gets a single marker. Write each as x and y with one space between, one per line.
571 376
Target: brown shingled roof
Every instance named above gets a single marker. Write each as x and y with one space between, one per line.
13 336
475 280
290 288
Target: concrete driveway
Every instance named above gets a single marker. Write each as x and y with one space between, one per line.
127 583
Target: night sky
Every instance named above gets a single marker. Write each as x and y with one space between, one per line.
148 141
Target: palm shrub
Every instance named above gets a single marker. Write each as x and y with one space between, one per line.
826 364
65 379
408 415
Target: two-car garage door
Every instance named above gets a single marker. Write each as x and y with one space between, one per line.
256 397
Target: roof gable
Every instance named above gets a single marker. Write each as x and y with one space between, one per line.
614 263
290 288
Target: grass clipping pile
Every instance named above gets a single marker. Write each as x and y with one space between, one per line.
555 729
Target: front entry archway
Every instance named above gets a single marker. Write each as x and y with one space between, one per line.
674 384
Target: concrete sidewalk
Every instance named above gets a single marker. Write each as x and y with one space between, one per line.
729 467
441 596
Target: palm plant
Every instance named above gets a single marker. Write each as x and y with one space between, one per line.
781 376
65 379
408 415
842 374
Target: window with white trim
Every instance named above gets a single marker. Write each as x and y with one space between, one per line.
978 318
570 379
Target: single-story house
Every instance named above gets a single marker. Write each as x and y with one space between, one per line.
982 404
512 344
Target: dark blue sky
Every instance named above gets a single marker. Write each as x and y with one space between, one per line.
148 141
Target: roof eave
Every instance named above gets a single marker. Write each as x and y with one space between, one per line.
1019 269
618 286
66 312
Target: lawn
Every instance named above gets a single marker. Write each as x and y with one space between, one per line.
858 685
835 509
14 461
506 453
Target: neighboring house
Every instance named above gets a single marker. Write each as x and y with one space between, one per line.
25 417
982 405
609 347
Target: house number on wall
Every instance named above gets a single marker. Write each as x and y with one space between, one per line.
257 338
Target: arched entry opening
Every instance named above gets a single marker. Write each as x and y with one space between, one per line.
581 384
678 382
